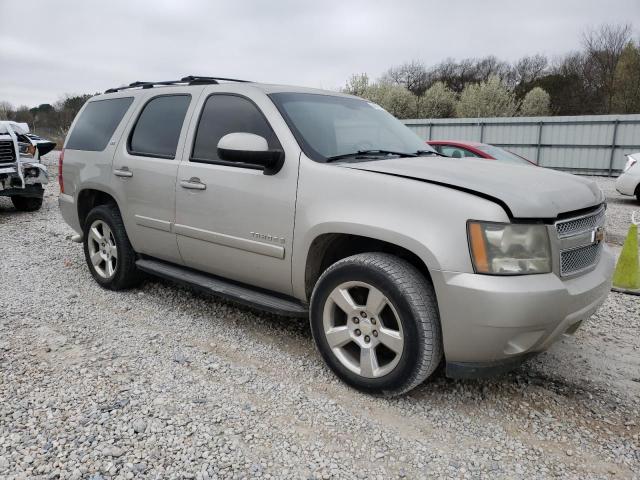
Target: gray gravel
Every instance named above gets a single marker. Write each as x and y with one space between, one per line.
160 382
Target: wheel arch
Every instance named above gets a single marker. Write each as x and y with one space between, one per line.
89 198
327 248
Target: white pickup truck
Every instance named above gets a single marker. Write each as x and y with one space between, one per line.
22 176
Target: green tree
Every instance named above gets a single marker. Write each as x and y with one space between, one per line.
626 96
438 101
487 99
357 85
395 99
536 103
67 108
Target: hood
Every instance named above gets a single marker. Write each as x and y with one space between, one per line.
524 191
15 126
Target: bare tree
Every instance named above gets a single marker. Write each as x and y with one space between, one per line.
6 110
411 75
489 67
604 47
526 71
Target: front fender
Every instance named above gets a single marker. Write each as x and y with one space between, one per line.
428 220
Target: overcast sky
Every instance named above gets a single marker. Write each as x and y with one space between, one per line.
49 48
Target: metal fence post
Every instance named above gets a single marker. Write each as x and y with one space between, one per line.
540 124
613 145
430 126
481 132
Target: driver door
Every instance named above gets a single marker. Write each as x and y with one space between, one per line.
232 220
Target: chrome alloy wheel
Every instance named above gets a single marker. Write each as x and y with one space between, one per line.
363 329
103 251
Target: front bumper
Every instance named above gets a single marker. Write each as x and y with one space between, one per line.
20 178
495 321
35 191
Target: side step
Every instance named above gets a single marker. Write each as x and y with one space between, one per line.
226 289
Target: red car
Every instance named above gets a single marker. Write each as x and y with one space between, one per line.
458 149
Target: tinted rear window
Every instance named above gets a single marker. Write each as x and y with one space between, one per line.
158 128
96 124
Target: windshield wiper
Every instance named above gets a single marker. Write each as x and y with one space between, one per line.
365 153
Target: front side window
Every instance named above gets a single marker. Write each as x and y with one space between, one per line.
224 114
96 124
328 126
456 152
157 131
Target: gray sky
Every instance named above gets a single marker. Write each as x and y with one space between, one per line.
54 47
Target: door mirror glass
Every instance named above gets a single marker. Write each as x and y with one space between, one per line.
252 149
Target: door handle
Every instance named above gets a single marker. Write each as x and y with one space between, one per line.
193 183
123 172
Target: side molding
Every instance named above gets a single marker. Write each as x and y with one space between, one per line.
261 248
153 223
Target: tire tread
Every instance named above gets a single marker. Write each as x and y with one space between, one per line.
422 299
129 276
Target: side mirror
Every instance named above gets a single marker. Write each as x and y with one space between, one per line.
251 149
44 147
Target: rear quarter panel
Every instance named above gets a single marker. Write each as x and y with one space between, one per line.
88 169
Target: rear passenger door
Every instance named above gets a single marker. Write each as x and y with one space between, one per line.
145 168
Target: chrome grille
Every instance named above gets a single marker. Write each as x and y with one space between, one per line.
579 225
7 152
579 259
580 242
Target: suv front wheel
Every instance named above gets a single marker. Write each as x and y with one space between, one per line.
374 319
107 250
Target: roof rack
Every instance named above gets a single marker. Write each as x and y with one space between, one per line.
188 80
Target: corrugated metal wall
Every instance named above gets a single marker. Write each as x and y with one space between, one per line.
588 144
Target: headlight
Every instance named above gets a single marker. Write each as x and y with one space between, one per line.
26 150
509 248
630 163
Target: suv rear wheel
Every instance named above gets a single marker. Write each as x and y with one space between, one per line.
374 319
107 250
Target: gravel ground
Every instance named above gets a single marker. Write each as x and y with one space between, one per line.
160 382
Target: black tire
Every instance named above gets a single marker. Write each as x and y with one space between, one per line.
126 274
414 300
26 204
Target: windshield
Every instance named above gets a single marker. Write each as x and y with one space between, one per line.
327 126
503 155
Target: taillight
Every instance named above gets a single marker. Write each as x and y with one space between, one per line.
60 179
630 163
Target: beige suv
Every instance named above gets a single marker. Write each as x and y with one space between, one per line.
311 203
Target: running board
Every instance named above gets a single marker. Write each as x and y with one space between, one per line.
225 289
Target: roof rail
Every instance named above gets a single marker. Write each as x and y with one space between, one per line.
188 80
